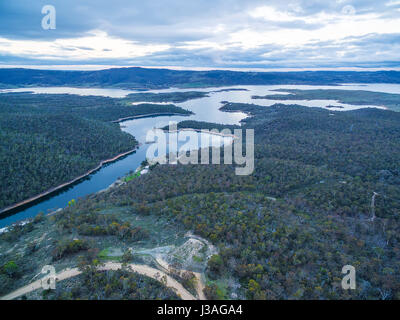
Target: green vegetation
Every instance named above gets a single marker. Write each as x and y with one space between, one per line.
354 97
64 241
64 248
89 107
108 254
10 268
323 171
91 224
213 292
176 97
145 78
200 125
230 89
112 285
132 176
189 281
8 273
39 152
16 231
104 254
48 140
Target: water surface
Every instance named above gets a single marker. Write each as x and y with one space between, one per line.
205 109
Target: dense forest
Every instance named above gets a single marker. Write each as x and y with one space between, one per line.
47 140
89 107
38 152
354 97
201 125
146 78
287 230
175 97
284 232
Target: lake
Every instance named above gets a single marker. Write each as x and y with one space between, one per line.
204 109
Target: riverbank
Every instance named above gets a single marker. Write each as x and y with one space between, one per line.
150 115
204 131
8 210
199 111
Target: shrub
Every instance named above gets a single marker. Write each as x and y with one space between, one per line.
10 268
64 248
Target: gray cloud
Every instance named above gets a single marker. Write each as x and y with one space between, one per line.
204 25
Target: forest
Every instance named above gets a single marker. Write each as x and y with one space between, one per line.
89 107
147 78
111 285
175 97
286 231
323 170
47 140
353 97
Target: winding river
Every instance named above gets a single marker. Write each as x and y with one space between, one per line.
204 109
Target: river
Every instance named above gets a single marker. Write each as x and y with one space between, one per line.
204 109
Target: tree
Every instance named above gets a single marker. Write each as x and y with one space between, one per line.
215 264
127 256
10 268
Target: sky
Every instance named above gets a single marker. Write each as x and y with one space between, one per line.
202 34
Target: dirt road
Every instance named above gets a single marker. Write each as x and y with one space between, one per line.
141 269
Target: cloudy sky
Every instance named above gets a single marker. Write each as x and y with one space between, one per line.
203 33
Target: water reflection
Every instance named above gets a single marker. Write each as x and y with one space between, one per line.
205 109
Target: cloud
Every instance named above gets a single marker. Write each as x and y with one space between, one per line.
190 33
94 45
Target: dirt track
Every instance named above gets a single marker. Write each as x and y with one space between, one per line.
141 269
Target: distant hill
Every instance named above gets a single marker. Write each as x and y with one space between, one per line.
160 78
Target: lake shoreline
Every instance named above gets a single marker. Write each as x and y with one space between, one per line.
8 210
150 115
205 111
224 135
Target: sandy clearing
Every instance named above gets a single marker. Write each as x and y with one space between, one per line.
200 283
141 269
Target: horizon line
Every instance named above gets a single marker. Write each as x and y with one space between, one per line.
94 67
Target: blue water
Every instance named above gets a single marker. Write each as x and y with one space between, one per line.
108 174
205 109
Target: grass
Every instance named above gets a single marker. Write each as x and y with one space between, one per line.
198 259
222 291
105 254
132 176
